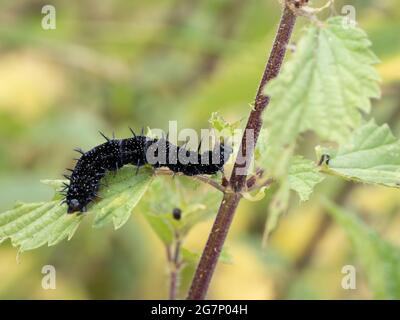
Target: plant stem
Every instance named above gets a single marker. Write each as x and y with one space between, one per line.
230 201
173 285
175 267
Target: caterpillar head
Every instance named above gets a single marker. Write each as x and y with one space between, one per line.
75 205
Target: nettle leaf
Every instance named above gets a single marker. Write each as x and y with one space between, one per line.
162 226
278 206
372 155
196 201
124 192
31 225
205 208
379 259
323 88
57 185
303 176
221 125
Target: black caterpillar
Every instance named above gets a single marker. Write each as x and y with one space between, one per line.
138 150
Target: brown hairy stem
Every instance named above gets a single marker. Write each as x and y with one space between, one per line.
230 201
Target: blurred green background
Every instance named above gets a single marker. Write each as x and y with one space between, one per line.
113 64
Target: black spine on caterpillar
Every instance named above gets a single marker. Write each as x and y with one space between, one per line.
138 150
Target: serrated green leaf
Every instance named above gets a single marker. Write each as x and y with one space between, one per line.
323 88
64 228
279 204
379 259
57 185
18 211
221 125
372 155
197 202
123 193
37 233
35 227
31 225
303 177
205 207
162 227
10 228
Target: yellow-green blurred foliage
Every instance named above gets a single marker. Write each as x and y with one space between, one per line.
112 64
